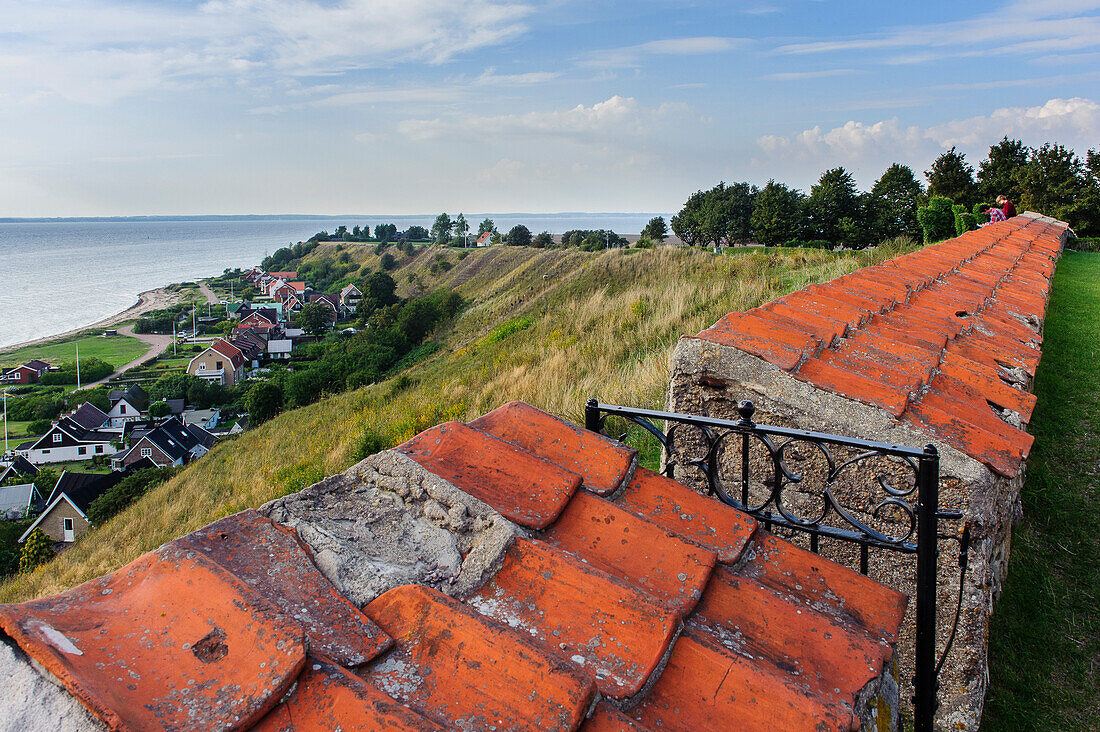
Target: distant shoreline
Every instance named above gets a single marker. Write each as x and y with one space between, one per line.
155 299
311 217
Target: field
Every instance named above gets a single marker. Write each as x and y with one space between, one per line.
1045 639
115 350
550 327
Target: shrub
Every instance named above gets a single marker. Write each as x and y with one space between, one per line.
937 220
125 492
91 369
159 409
388 262
38 426
644 242
1084 244
37 550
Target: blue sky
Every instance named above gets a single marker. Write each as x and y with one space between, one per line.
416 106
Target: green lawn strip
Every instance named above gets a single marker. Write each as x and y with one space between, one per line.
117 350
1045 632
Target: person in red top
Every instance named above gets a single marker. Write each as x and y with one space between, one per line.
1007 207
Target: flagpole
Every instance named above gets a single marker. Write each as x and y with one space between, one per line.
78 365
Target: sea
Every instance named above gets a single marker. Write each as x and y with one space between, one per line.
60 274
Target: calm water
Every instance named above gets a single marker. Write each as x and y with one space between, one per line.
60 275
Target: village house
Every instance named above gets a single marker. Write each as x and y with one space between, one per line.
127 406
65 518
172 443
18 468
350 298
28 373
65 441
332 302
89 416
279 349
16 500
222 363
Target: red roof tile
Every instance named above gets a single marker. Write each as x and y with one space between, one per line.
601 462
692 516
633 549
978 299
329 698
523 487
170 641
615 632
272 563
452 664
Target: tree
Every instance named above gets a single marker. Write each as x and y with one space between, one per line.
731 206
952 177
519 236
379 290
937 219
687 225
441 229
416 233
461 228
315 318
656 229
263 401
37 550
1054 183
45 480
385 232
544 240
486 226
776 214
387 261
159 409
999 174
125 492
833 199
895 197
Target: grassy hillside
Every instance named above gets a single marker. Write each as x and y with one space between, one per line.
550 327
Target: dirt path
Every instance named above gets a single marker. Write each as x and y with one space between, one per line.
157 344
210 296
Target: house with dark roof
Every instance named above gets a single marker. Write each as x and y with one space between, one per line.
172 443
17 468
127 406
28 373
222 363
65 518
350 297
89 416
66 440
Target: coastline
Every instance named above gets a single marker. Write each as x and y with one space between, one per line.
154 299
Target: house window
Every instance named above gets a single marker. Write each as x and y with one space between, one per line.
99 448
147 452
122 409
57 437
45 452
202 366
218 365
68 524
81 451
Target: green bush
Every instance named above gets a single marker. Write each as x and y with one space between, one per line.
159 409
937 220
91 369
125 492
38 426
37 550
1084 244
809 244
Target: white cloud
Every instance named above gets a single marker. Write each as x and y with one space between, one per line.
630 56
1073 122
612 119
505 170
801 75
1022 28
93 51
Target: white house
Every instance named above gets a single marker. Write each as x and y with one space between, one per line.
66 441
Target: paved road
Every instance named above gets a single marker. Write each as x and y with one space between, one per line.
157 344
210 296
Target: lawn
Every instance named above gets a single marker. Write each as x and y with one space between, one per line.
116 350
16 430
1045 634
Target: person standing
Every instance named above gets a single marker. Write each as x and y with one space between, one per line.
1007 207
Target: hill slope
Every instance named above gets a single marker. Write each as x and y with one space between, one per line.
549 327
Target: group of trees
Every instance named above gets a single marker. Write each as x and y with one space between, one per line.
1050 179
382 233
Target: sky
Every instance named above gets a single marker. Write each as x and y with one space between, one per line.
131 107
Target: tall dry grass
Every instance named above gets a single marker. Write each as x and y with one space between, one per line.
549 327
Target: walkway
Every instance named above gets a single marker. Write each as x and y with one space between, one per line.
157 344
209 294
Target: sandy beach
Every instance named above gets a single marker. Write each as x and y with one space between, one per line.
148 300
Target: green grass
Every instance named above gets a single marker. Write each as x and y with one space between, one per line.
116 350
1045 634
